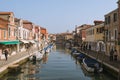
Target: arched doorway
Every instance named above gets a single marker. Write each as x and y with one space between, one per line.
101 46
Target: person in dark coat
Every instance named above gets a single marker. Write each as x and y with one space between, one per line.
115 55
6 54
111 55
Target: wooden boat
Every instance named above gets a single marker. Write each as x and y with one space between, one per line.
91 65
14 68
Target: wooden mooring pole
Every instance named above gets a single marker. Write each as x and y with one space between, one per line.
119 73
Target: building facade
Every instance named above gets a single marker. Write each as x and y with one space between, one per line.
111 28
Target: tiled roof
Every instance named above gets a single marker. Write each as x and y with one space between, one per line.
42 28
26 22
7 13
16 19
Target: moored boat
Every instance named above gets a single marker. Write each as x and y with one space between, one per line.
80 57
91 65
37 56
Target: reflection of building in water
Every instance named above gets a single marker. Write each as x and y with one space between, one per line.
45 58
67 50
54 47
29 70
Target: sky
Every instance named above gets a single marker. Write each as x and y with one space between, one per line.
59 16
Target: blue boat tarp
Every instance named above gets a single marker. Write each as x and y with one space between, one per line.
81 55
90 62
49 46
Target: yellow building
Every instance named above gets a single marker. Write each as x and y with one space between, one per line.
99 37
95 36
89 41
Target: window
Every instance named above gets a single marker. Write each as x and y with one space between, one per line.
97 30
115 34
4 34
106 20
115 17
14 32
9 32
109 35
19 34
109 19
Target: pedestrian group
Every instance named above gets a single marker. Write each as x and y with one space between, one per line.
113 55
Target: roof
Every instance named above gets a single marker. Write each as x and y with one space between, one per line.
27 22
16 19
115 10
6 13
42 28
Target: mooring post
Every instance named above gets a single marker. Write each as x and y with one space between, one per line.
119 73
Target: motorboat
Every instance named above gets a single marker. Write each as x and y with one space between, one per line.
80 57
38 55
92 65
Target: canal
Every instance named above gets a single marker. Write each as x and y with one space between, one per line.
57 65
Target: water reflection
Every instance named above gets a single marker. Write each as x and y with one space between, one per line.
45 58
57 65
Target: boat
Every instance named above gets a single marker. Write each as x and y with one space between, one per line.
14 68
91 65
38 55
80 57
48 48
73 50
75 53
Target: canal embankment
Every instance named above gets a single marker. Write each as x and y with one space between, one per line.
111 67
18 59
58 65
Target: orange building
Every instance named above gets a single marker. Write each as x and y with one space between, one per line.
44 33
8 32
3 29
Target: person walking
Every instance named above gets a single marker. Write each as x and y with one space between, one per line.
115 55
6 54
111 55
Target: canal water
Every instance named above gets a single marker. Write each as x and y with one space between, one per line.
57 65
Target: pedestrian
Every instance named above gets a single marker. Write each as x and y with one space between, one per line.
89 47
111 55
115 55
6 54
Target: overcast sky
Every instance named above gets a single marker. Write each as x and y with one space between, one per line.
59 15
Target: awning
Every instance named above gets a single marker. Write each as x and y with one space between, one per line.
32 41
24 41
9 42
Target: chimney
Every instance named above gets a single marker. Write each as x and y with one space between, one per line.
97 22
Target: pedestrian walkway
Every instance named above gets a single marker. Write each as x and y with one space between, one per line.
15 59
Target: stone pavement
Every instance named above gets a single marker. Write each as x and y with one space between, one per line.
15 59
